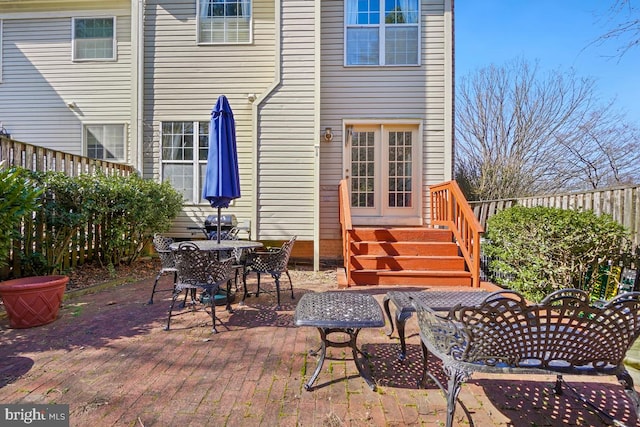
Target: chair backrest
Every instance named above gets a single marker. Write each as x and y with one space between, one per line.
562 327
192 264
200 268
287 248
161 246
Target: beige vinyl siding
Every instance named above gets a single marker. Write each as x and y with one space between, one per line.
286 152
183 81
40 79
381 93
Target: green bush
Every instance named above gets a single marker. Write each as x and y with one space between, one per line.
18 198
539 250
123 212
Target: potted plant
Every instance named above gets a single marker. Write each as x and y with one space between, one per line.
29 301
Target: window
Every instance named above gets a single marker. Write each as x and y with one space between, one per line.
94 39
185 146
382 32
224 21
105 142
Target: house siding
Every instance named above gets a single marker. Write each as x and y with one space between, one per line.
383 93
286 153
39 78
183 81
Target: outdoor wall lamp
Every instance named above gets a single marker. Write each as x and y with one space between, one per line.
328 134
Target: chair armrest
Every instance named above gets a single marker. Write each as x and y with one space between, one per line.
441 333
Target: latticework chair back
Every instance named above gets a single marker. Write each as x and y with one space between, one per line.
274 261
161 246
167 262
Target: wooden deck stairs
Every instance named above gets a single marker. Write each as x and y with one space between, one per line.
445 254
409 256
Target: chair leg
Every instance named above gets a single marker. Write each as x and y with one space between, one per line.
277 279
213 312
290 284
173 301
153 290
258 290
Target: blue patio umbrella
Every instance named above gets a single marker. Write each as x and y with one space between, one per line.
222 180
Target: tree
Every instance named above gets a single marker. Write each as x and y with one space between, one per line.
623 21
520 133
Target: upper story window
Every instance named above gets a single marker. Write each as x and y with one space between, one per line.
105 142
382 32
94 39
185 146
224 21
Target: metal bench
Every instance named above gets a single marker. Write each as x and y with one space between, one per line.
563 334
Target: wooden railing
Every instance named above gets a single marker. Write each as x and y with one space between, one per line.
32 157
449 208
344 206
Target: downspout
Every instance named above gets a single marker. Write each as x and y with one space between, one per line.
277 79
449 82
316 131
140 88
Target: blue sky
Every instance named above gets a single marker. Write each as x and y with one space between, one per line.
556 33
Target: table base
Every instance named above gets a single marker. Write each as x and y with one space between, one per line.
322 352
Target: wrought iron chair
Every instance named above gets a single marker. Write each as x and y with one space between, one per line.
200 270
161 245
271 261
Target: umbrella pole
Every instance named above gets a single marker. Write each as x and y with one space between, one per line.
219 227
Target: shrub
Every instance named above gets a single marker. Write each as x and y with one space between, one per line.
18 198
540 249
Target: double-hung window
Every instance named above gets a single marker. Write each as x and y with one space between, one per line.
94 39
185 146
105 142
382 32
224 21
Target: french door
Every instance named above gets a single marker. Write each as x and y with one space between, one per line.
382 166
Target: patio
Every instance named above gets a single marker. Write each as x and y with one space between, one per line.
108 357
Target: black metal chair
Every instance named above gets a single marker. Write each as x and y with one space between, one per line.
271 261
161 246
200 270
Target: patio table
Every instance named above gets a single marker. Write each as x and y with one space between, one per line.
339 312
436 300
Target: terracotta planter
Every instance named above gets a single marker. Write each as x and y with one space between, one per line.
33 301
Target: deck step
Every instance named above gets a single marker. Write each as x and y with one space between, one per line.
401 234
407 262
404 248
410 278
411 256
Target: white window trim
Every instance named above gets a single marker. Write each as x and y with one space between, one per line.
115 40
382 38
201 43
195 162
125 139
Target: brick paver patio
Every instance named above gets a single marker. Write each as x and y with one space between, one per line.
108 357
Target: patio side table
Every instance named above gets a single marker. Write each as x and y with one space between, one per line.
437 300
344 312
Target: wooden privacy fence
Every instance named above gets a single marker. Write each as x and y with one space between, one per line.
86 244
622 203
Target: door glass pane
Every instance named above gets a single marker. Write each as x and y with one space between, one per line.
400 170
363 167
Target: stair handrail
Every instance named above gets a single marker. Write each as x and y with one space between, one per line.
344 207
450 208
